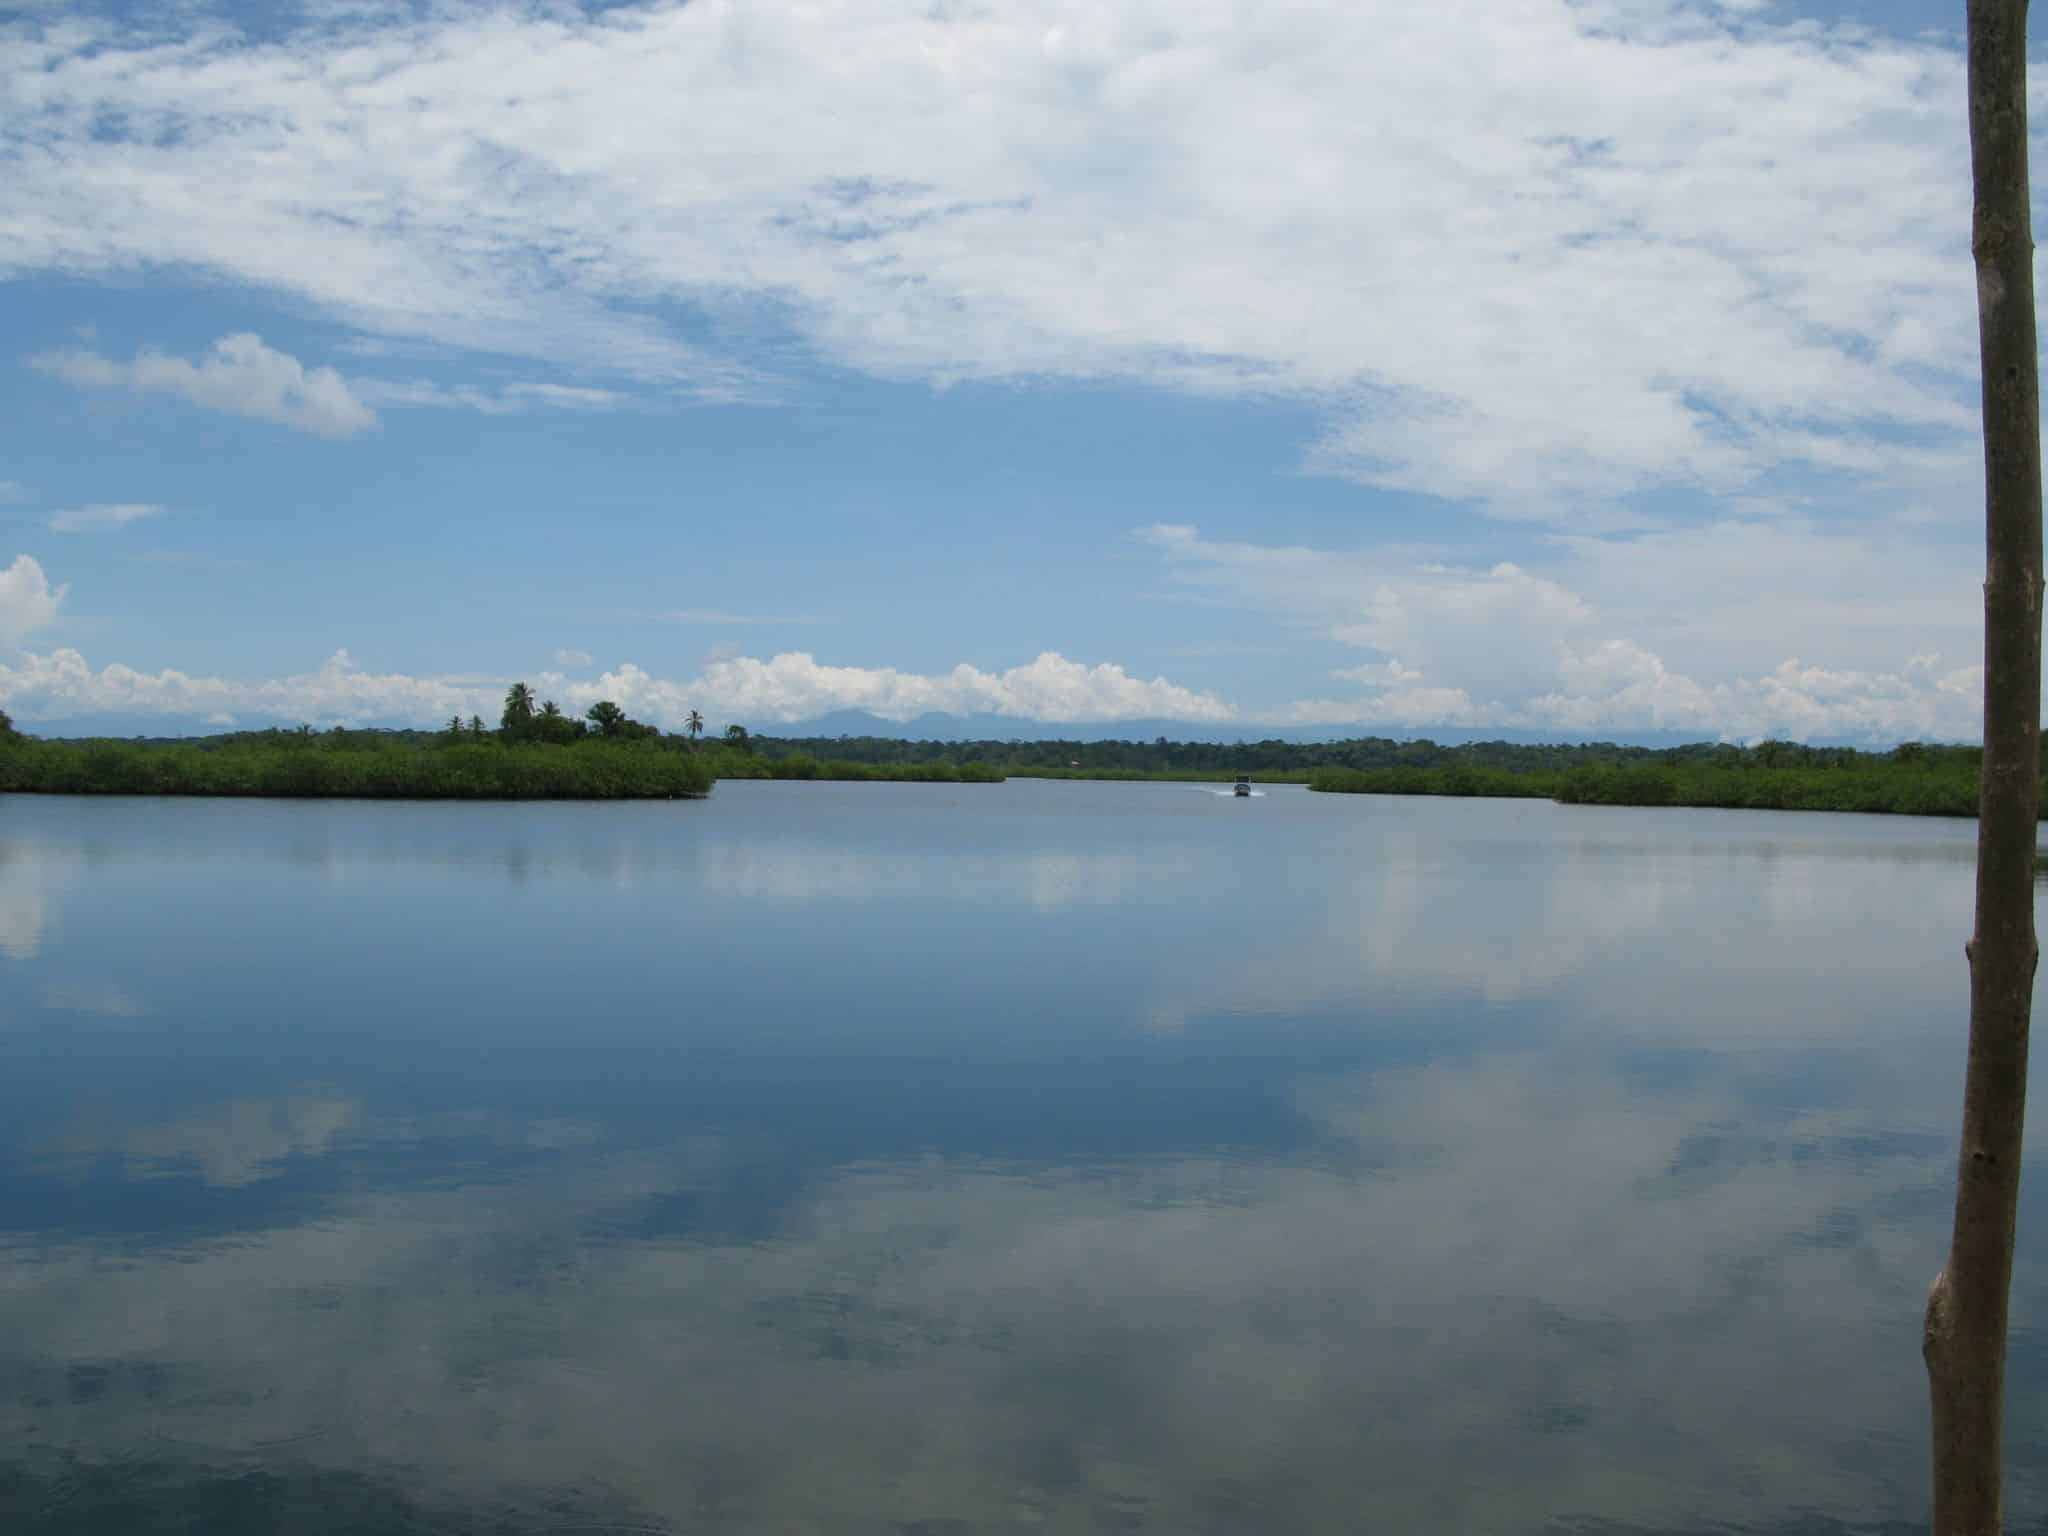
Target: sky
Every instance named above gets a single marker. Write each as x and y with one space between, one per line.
1573 368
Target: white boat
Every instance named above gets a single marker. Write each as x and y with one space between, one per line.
1244 786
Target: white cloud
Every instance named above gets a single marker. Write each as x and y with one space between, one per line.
1539 254
1742 629
501 400
62 683
787 687
571 397
101 515
1436 620
239 375
1601 687
1620 686
572 659
794 685
27 600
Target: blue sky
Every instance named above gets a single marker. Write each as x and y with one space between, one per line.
1583 369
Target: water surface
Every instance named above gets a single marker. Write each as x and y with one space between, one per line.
922 1158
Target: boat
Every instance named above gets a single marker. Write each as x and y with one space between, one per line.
1244 786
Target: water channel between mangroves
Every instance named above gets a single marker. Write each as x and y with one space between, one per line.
1059 1157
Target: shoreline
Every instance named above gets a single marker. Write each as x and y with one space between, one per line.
473 794
368 765
1851 792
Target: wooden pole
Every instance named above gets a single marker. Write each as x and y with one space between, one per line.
1964 1343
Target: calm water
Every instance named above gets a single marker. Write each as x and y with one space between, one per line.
930 1159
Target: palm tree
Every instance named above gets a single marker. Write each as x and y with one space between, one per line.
694 725
518 707
551 710
607 717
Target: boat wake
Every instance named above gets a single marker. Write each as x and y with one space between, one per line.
1230 794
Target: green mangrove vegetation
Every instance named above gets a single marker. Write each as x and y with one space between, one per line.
1160 759
1911 780
353 764
1266 762
537 751
801 765
1494 783
1916 778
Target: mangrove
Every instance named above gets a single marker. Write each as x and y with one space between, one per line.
537 752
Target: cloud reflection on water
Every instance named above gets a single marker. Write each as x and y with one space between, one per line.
30 875
228 1145
797 872
1608 1180
100 997
1499 1294
1751 938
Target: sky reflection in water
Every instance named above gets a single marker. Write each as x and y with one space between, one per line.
1050 1157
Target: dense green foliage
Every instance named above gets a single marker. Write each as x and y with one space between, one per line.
524 721
1066 759
463 765
537 753
1913 780
732 763
358 764
1903 792
1283 761
1462 780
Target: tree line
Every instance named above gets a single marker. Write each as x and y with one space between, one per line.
1271 756
524 720
614 757
609 755
1913 778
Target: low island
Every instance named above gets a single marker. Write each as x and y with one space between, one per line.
1912 779
536 752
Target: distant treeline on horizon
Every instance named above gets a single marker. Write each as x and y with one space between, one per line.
525 718
536 751
1913 778
1300 759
